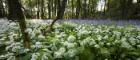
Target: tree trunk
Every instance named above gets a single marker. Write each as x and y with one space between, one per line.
49 9
2 12
15 8
72 4
42 9
85 9
78 8
38 9
61 9
105 6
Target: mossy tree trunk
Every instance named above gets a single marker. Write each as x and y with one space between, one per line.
16 13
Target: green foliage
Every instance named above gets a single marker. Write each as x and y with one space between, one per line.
71 41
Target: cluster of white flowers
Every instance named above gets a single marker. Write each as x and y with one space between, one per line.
69 45
71 52
88 41
81 30
125 44
71 38
61 45
29 30
35 56
38 45
41 37
15 47
59 53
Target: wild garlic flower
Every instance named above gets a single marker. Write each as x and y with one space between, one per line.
59 53
35 56
14 47
29 30
82 32
71 38
11 58
138 46
125 44
108 44
99 37
96 46
44 57
92 42
71 53
117 33
38 45
41 37
105 37
132 40
69 45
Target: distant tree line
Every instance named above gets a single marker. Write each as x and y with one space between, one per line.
75 9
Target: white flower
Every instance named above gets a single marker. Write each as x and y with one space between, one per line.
117 33
68 45
138 58
108 44
138 46
16 48
82 32
11 38
11 58
34 56
83 43
12 24
125 44
92 42
106 37
97 46
44 57
71 38
59 53
138 36
28 30
101 43
41 37
26 50
62 50
71 52
38 45
132 40
53 46
33 35
99 37
2 56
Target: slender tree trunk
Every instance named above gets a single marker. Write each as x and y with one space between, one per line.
78 8
72 4
2 11
49 9
85 9
31 12
15 7
38 7
108 8
55 8
42 9
105 6
61 9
